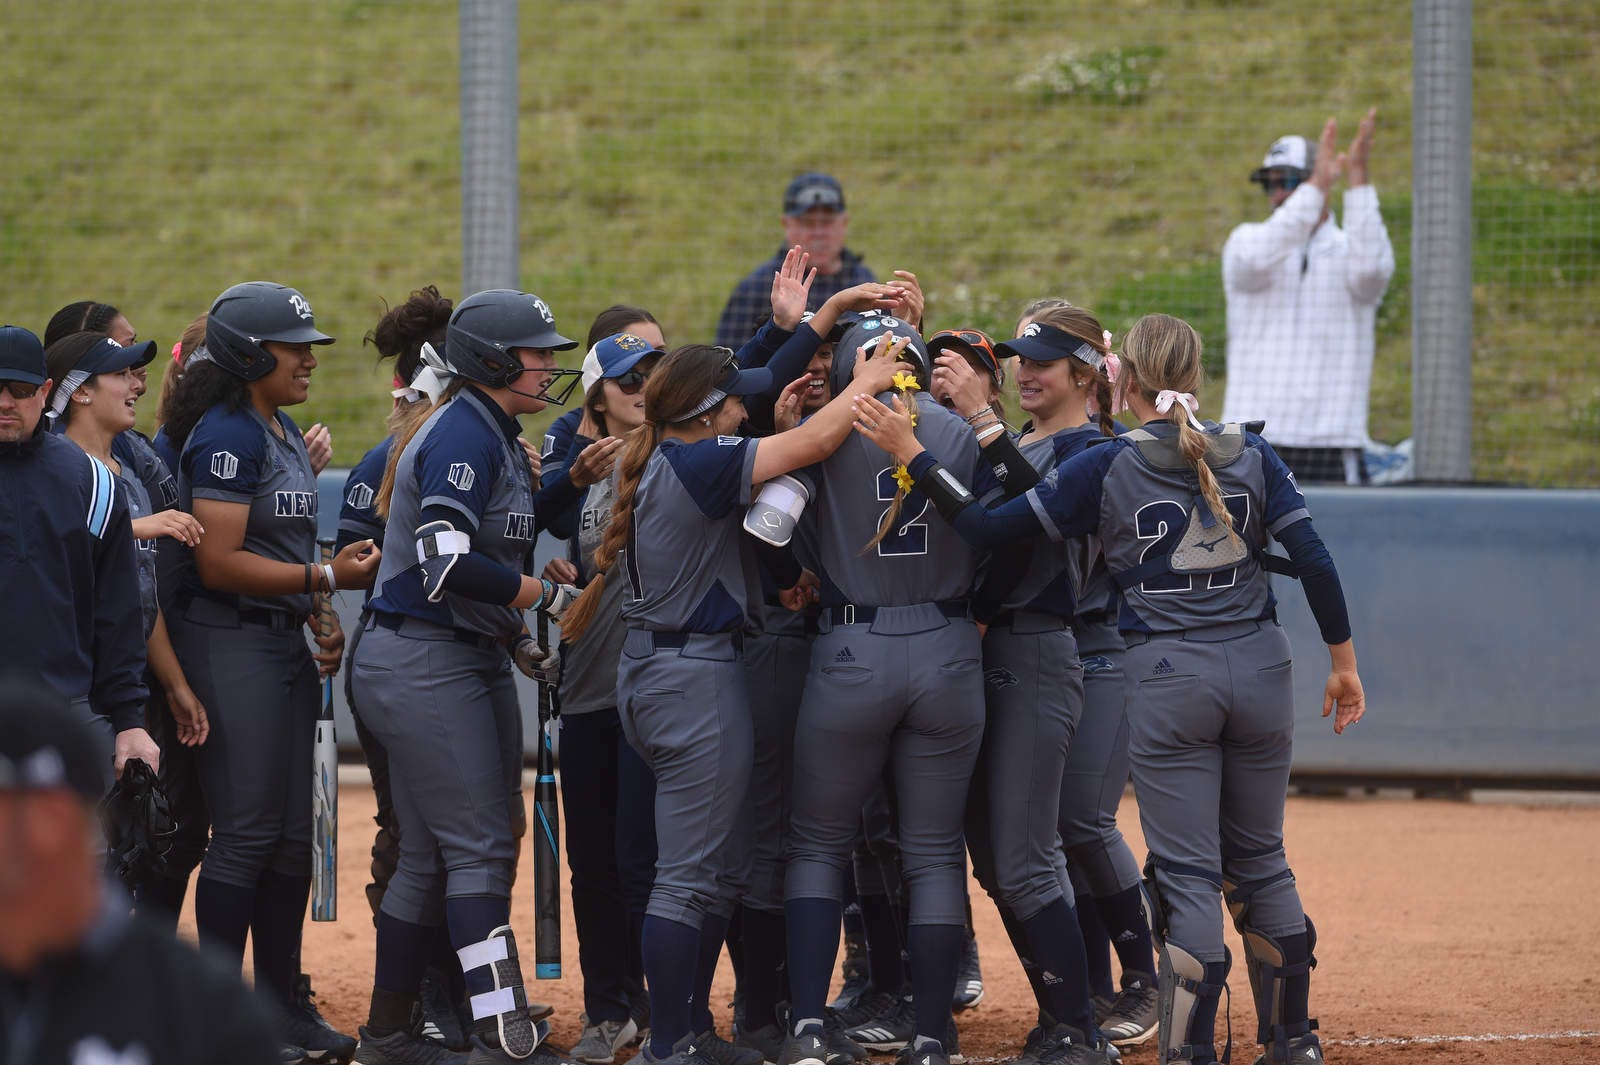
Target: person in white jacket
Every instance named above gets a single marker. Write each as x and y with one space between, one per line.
1303 297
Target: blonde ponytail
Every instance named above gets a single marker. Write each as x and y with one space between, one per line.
1163 355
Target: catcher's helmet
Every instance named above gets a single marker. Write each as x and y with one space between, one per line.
867 333
244 317
486 327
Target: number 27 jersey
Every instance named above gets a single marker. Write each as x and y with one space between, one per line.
1140 512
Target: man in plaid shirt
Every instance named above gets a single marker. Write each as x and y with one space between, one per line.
814 218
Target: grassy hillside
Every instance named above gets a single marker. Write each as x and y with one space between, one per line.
162 150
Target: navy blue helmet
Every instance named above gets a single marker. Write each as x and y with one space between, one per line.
246 316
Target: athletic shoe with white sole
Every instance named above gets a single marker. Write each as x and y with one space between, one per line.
1132 1018
599 1043
889 1030
842 1050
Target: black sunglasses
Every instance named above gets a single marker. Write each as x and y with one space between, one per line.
631 382
20 389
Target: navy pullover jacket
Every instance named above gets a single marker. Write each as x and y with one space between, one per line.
69 576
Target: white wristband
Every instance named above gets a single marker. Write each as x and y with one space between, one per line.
992 430
327 571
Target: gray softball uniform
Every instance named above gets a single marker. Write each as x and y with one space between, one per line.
433 679
1034 691
681 688
895 676
246 656
1209 695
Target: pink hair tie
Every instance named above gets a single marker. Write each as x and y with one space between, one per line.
1166 397
177 353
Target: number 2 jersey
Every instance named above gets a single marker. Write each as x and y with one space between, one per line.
921 559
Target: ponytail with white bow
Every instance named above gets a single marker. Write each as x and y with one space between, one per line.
1162 355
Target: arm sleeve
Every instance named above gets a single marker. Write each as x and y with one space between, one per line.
1014 473
1369 257
556 494
769 340
1319 578
779 564
1254 250
981 527
474 576
788 363
118 690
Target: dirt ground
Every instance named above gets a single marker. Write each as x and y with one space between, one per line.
1450 932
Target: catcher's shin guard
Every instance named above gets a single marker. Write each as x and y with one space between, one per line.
501 1015
1279 970
1189 994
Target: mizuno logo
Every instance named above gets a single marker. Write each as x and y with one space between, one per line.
1210 545
844 655
1163 668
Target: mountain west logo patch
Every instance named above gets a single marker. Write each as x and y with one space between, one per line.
461 476
224 465
360 496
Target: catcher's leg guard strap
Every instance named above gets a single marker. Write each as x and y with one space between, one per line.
1189 994
502 1012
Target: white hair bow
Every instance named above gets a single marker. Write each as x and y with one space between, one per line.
1166 397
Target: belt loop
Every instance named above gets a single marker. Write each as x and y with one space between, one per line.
849 613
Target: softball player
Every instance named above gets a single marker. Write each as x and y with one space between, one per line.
681 682
619 819
1035 693
92 404
1183 511
1065 386
594 755
245 475
432 673
895 681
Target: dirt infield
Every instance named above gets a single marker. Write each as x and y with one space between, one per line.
1450 932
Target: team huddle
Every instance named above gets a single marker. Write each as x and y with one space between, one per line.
829 628
829 625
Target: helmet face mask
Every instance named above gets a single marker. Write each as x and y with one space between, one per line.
247 316
487 328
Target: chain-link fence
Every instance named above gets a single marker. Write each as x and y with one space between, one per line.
1001 149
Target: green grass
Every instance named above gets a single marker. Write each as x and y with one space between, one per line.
159 151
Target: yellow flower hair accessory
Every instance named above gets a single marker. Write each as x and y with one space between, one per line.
903 478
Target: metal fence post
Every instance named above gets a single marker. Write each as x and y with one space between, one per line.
488 145
1441 239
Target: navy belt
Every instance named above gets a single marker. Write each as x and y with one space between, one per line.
677 641
267 618
850 614
399 622
1041 619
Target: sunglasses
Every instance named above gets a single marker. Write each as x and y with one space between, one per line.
19 389
1273 184
630 383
